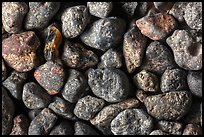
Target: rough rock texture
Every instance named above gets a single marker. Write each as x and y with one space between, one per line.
19 50
75 55
134 45
87 107
103 119
141 95
8 109
34 96
109 84
192 129
158 132
74 20
104 33
129 8
63 128
82 128
40 14
12 15
146 81
50 76
173 80
42 123
187 48
178 10
132 122
195 83
168 106
14 83
158 26
100 9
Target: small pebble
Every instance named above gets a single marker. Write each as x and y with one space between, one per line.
74 20
4 75
8 110
82 128
192 129
50 76
193 15
195 83
168 106
100 9
62 108
13 14
178 10
42 123
87 107
103 119
158 58
104 33
19 50
14 83
187 48
34 96
158 132
129 8
40 14
20 126
134 45
111 58
109 84
132 122
157 26
173 80
63 128
146 81
171 127
75 86
75 55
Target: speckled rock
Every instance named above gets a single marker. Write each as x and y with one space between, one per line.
132 122
134 45
104 33
109 84
141 95
129 8
158 58
187 48
87 107
195 83
75 55
171 127
74 20
12 15
8 109
158 132
173 80
50 76
103 119
178 10
19 50
34 96
14 83
192 129
100 9
82 128
40 14
146 81
63 128
163 106
75 86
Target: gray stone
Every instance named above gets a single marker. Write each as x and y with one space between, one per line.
192 129
82 128
178 10
129 8
63 128
158 132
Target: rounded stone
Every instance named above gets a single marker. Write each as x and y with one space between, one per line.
82 128
109 84
132 122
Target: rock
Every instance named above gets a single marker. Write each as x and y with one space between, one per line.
13 14
187 48
109 84
163 6
87 107
63 128
134 45
75 55
100 9
33 113
19 50
4 74
173 80
74 20
129 8
178 10
158 132
104 33
40 14
132 122
82 128
157 26
168 106
195 83
50 76
192 129
141 95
